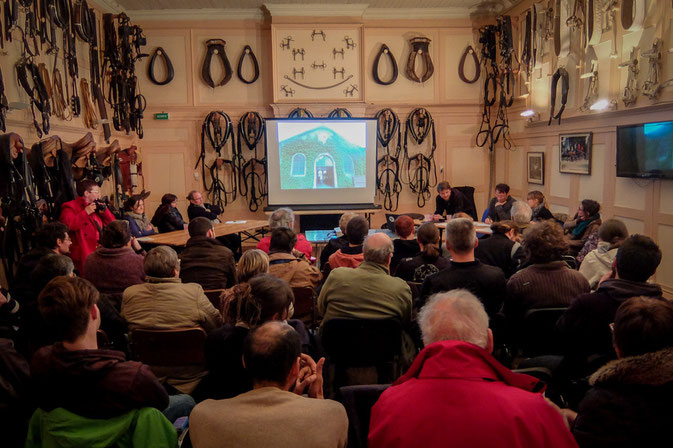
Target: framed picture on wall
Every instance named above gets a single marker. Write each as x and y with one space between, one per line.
536 168
575 153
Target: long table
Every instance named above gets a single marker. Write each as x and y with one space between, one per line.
250 229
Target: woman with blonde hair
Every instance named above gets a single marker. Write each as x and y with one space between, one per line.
538 204
253 262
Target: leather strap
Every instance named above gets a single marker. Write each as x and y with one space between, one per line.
4 105
469 51
527 48
561 74
247 51
633 15
592 25
539 36
90 117
561 29
216 47
419 46
384 51
170 73
37 93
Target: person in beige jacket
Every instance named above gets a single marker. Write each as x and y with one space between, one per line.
289 264
164 302
274 413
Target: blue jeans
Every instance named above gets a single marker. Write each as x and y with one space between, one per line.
179 406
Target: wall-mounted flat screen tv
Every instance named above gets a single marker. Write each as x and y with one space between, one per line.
645 150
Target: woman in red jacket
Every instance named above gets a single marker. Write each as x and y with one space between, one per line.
86 216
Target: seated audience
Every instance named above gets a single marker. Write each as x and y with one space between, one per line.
167 217
584 327
351 256
284 217
598 262
115 264
465 271
198 208
428 262
85 216
134 213
335 244
500 206
586 222
368 291
51 238
548 282
205 260
521 215
164 302
405 245
296 271
260 299
450 201
537 202
630 402
74 373
253 262
16 400
502 249
274 413
456 394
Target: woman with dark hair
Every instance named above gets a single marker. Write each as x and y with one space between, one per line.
586 222
502 249
538 204
263 298
117 263
167 218
429 261
598 262
134 213
548 282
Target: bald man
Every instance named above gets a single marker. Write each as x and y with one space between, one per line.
368 291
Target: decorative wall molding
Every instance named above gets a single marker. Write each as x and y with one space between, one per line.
195 14
416 13
316 10
110 6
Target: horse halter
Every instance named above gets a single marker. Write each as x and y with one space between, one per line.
384 51
170 73
247 51
419 46
216 47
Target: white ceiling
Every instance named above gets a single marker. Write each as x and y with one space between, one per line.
252 4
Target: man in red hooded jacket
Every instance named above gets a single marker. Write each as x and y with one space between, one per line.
86 218
456 394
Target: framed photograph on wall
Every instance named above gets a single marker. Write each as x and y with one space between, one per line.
536 168
575 153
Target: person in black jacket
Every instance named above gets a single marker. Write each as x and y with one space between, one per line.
500 207
538 203
198 208
450 200
630 401
167 218
502 248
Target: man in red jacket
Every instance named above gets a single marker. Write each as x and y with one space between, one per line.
456 394
85 216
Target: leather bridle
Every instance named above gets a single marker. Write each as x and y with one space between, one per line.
252 180
170 72
384 51
388 181
247 51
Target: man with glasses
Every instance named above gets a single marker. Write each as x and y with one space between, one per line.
86 216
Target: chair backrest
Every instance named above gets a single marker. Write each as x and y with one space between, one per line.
416 288
214 296
362 342
175 347
468 192
538 332
358 401
304 304
390 221
570 261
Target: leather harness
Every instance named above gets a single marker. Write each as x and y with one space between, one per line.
217 129
247 51
561 74
384 51
252 180
388 181
4 105
37 92
170 73
419 46
216 47
469 51
420 168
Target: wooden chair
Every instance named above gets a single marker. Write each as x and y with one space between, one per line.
214 296
304 305
175 347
